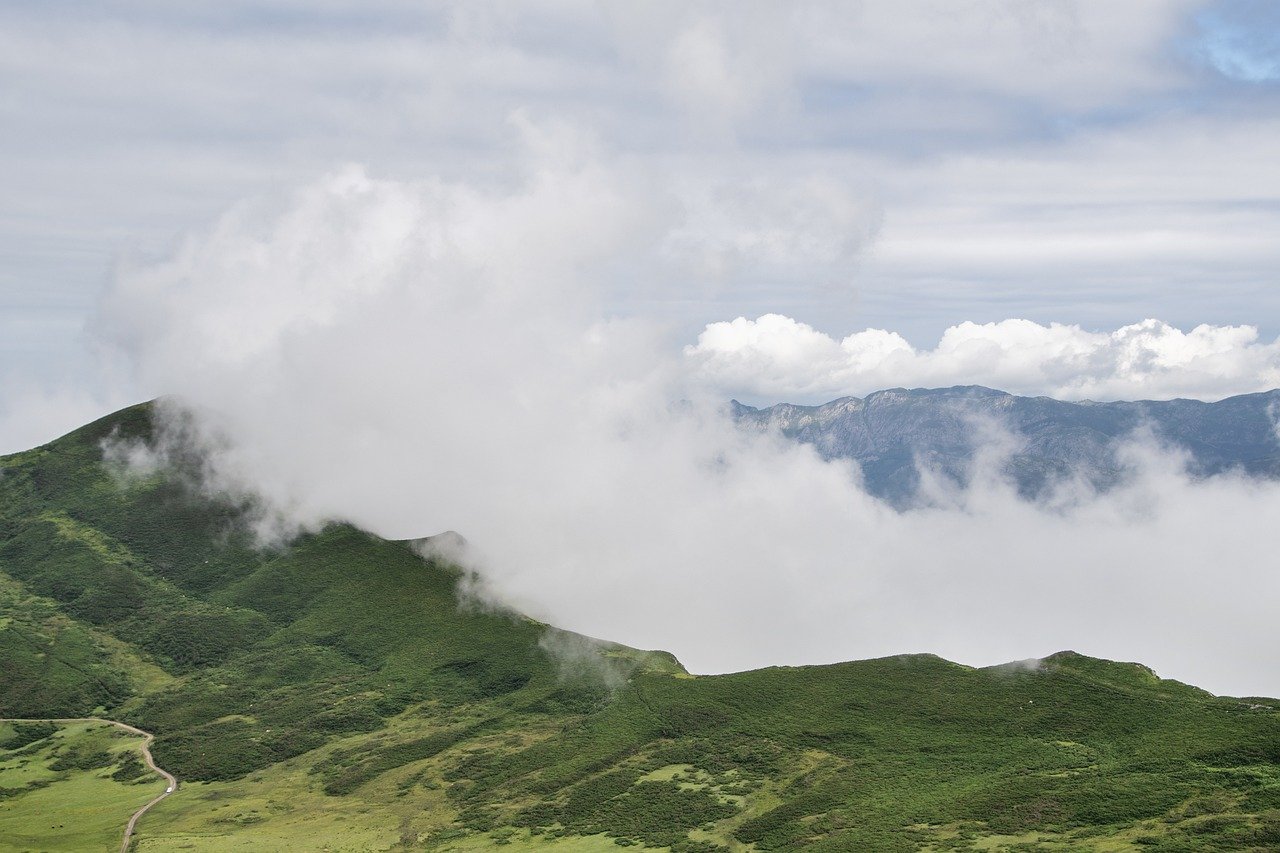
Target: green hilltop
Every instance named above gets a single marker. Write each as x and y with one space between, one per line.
335 693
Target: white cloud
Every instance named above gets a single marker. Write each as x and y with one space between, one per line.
737 231
438 347
430 356
1053 161
1079 54
778 358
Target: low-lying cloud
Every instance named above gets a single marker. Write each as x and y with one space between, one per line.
776 357
422 357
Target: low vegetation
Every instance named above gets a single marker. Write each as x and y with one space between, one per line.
334 689
69 788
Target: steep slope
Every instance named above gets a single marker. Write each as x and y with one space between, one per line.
338 692
889 432
341 628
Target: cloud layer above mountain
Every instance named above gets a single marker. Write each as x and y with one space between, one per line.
775 357
416 357
483 328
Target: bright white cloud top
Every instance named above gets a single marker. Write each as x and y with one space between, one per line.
416 357
561 206
899 165
775 357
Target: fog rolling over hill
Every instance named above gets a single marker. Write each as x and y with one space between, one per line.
896 434
345 692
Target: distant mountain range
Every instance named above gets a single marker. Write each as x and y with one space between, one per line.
893 434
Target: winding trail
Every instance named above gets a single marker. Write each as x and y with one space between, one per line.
170 780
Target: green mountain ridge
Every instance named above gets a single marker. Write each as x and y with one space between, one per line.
335 693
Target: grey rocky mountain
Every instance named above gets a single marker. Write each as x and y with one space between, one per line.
893 434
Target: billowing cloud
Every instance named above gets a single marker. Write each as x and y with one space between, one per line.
1064 161
778 358
421 357
462 335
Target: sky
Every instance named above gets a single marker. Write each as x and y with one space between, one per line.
850 166
437 266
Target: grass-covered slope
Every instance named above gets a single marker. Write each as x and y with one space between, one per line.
335 693
73 786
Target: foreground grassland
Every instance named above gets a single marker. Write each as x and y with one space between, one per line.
333 695
69 787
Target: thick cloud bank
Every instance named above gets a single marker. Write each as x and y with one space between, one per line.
776 357
419 357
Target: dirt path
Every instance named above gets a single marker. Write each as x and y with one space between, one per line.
171 781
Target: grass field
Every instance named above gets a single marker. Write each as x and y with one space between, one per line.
59 792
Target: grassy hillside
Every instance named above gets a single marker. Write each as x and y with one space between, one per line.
334 695
69 788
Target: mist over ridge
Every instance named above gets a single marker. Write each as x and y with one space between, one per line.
691 426
421 357
901 438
